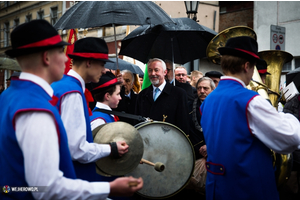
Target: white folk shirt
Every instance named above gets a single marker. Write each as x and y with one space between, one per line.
278 131
72 115
37 137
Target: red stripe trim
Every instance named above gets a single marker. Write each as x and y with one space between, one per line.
115 80
262 71
47 42
248 52
91 55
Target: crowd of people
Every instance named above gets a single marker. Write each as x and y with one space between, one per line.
46 136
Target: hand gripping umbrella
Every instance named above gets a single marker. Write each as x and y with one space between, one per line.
89 14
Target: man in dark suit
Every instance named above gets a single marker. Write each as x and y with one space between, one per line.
169 101
191 94
128 101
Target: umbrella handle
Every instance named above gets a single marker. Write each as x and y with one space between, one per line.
116 47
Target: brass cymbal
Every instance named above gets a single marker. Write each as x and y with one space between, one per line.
119 131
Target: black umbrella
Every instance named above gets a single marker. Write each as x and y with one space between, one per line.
88 14
293 76
184 41
124 65
9 64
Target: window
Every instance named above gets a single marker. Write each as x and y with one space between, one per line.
287 66
28 18
40 14
6 34
53 15
16 23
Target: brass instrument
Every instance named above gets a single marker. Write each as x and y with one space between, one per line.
275 61
220 40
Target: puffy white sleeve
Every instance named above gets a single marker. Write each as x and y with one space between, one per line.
278 131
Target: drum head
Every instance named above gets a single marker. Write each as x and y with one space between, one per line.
165 143
119 131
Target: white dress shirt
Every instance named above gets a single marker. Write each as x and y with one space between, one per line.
278 131
72 115
161 87
37 137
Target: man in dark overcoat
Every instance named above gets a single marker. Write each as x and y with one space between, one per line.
168 101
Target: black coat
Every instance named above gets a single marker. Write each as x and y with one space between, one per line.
196 136
171 102
127 105
188 89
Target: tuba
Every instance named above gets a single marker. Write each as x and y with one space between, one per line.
270 91
275 60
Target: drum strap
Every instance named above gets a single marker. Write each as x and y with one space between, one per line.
122 114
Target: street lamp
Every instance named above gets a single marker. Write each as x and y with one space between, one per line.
191 9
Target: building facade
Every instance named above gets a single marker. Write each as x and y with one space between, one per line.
13 13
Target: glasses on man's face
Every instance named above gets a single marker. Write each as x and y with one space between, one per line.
180 75
168 70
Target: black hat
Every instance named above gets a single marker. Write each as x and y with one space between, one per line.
243 46
215 74
90 48
262 67
107 80
32 37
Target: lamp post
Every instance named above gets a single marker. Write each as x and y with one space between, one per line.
191 11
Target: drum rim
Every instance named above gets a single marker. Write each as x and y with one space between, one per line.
143 124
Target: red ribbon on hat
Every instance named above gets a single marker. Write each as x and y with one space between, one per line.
108 83
91 55
262 71
248 52
46 42
89 98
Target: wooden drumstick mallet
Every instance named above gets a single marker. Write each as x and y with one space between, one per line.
157 166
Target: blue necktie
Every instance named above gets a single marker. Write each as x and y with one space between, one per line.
156 93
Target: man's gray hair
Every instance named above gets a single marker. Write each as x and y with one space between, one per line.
212 84
129 72
157 59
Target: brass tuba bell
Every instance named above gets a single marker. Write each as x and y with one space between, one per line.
220 40
275 60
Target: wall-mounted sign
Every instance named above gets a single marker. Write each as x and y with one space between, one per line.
277 38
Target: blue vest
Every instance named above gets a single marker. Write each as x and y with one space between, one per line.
33 98
106 117
239 165
66 85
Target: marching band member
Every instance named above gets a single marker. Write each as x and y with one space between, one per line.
33 141
240 127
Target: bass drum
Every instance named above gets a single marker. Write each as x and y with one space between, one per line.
167 144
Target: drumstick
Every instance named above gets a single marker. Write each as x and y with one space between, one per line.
147 162
133 184
157 166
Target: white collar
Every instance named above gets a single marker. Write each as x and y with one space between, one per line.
234 78
76 75
37 80
103 106
161 87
